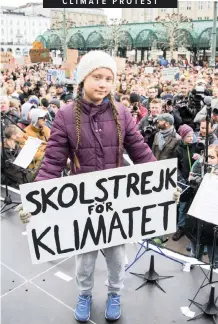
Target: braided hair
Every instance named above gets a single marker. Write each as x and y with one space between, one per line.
78 108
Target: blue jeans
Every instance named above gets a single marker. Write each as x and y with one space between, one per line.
181 220
201 252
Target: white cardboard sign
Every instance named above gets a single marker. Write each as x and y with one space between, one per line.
78 214
28 152
169 73
205 203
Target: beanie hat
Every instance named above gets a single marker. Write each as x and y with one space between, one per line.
167 97
35 114
34 100
55 102
184 130
167 118
68 96
134 97
95 60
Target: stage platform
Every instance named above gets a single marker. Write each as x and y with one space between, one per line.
47 293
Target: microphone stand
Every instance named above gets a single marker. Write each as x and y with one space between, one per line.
7 200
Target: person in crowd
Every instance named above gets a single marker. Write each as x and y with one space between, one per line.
191 223
137 110
185 153
82 131
147 125
125 100
168 107
11 174
68 98
152 94
60 92
27 92
201 135
37 129
166 139
34 100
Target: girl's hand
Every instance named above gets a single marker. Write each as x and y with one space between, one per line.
177 194
24 217
196 156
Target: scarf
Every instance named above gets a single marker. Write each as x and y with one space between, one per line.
162 134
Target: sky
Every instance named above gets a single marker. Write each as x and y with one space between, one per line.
110 12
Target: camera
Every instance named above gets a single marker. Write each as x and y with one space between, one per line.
151 128
200 145
182 101
169 102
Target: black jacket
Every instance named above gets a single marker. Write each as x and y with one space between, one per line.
183 152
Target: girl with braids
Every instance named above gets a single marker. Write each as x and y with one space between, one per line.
93 132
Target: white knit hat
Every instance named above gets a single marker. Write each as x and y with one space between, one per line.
95 60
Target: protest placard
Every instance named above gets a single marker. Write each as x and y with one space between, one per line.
57 60
149 70
56 76
5 57
82 213
38 45
205 203
39 55
169 73
71 62
28 152
121 64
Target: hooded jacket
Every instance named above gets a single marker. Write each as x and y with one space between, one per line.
23 121
98 147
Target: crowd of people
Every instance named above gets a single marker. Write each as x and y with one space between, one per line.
162 119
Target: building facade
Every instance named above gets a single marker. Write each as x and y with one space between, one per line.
196 10
74 16
18 30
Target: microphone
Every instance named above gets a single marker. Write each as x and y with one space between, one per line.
208 101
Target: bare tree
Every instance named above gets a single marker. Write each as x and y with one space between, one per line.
174 31
116 33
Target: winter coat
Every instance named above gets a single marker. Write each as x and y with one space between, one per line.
98 147
42 134
142 112
169 149
12 174
183 152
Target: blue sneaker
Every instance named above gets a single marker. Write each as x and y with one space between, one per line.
113 311
82 312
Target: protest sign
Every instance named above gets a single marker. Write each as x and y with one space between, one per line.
205 203
121 64
82 213
5 57
27 60
169 73
28 152
56 76
38 45
71 62
149 70
57 61
39 55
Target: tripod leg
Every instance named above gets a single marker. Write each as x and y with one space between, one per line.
157 284
214 320
144 284
193 318
165 277
196 304
140 275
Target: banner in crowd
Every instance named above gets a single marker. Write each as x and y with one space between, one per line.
121 64
205 203
71 62
149 70
169 73
57 60
39 55
56 76
78 214
7 61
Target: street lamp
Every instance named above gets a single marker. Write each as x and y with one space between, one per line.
213 40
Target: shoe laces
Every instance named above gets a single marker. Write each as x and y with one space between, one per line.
83 301
115 299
